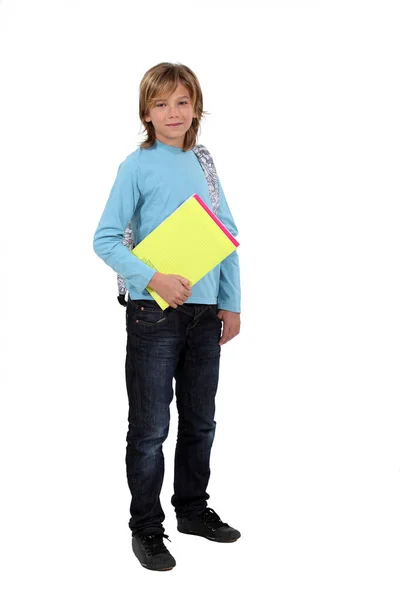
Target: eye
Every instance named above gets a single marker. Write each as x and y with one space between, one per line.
163 103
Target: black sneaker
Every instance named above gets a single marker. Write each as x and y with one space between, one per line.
151 552
208 525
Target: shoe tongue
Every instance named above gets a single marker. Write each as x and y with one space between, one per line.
153 532
211 518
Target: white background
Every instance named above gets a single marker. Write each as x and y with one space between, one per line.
304 130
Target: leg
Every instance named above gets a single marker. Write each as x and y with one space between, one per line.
196 386
152 352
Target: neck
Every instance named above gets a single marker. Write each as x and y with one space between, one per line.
178 143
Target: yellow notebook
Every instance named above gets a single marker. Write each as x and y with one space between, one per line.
190 243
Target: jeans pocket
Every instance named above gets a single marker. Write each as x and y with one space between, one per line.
214 311
148 313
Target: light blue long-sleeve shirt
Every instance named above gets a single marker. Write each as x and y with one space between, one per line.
150 184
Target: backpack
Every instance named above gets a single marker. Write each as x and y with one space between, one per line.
207 164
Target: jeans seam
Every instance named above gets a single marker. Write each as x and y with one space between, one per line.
136 400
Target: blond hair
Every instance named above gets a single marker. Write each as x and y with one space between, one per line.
161 81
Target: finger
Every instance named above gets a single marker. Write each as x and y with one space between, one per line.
225 336
232 334
226 340
185 283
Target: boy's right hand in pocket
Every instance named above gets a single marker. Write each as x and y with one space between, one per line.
174 289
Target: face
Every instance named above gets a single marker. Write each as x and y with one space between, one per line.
177 108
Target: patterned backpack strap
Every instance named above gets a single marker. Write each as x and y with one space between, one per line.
128 242
207 163
210 172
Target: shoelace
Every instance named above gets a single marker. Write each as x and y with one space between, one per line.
154 543
211 519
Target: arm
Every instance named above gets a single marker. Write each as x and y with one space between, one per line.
229 283
109 235
108 242
229 295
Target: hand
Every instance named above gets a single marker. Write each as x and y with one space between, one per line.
231 325
174 289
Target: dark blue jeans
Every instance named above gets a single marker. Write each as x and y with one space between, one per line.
179 343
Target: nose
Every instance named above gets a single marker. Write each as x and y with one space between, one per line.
172 112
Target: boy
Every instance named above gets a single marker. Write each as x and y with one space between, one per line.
184 341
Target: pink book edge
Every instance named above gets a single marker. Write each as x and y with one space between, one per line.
216 220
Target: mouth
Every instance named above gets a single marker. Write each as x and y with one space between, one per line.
174 124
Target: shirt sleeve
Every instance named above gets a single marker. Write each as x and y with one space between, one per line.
109 235
229 295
